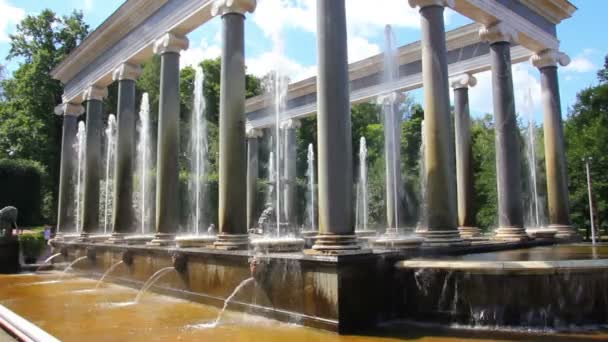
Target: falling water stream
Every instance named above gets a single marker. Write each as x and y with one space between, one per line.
80 148
310 174
68 267
216 322
143 148
153 279
47 261
530 142
110 270
110 155
199 150
362 201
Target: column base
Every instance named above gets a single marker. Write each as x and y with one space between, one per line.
442 238
469 232
330 243
162 239
565 232
511 234
117 239
231 242
84 237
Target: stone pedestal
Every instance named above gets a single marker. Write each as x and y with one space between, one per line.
464 160
94 122
70 113
232 209
441 216
335 174
555 156
508 167
167 168
123 218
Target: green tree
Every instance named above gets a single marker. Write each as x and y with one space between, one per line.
586 135
28 128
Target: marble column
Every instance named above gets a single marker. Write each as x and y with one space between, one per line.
441 215
94 96
232 209
508 159
167 169
334 167
123 218
253 136
555 153
289 172
70 113
465 189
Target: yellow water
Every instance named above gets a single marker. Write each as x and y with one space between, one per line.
72 311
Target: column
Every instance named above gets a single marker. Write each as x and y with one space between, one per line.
94 96
123 218
440 210
70 112
253 134
508 167
465 189
334 168
232 209
167 169
289 172
555 154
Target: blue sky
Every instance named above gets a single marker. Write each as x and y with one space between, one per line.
288 26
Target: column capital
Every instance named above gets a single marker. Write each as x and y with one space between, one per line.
291 124
69 109
170 42
549 57
426 3
463 81
126 71
253 133
499 32
222 7
95 92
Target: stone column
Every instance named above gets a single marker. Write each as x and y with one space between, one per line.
508 167
253 135
70 112
94 96
555 154
335 174
289 171
441 215
123 218
232 209
167 168
464 159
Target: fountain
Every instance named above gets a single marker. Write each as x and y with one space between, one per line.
150 282
110 270
361 227
199 166
145 194
109 163
79 188
395 236
534 219
311 215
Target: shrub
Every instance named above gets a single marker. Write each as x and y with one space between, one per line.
32 245
21 187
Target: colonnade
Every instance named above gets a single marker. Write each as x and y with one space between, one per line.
449 191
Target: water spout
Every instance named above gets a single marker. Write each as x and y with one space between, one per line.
199 150
310 173
144 149
65 271
112 268
362 200
110 153
153 279
78 191
216 322
45 262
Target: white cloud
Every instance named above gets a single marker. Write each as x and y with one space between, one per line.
9 16
360 48
197 54
581 64
268 61
525 82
